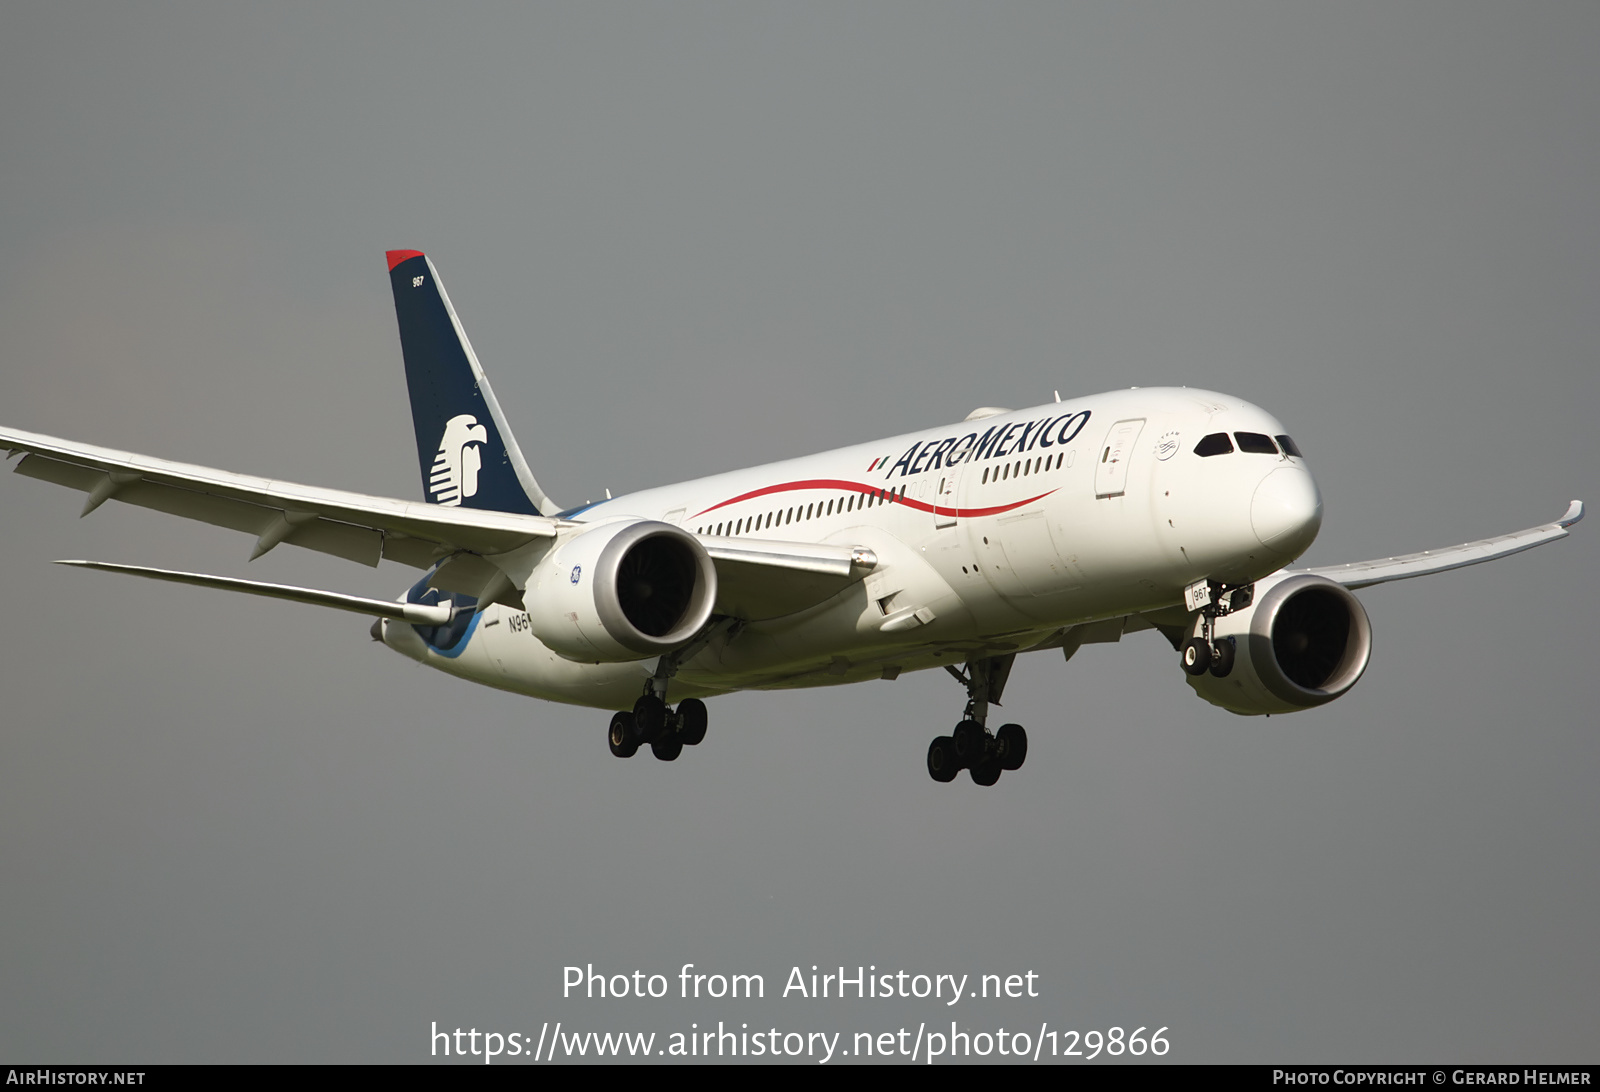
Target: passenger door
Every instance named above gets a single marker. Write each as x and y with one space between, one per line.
1111 473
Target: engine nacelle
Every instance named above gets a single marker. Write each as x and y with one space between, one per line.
1303 641
621 591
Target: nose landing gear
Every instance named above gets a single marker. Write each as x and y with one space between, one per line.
1200 657
1204 651
971 746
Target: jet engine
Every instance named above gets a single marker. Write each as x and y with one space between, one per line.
1302 641
621 591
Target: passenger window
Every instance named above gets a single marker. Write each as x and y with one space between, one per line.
1255 443
1289 447
1215 444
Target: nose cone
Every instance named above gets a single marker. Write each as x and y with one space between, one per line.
1286 512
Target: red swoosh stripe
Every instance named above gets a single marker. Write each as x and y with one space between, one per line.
836 484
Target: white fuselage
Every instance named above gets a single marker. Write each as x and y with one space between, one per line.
992 535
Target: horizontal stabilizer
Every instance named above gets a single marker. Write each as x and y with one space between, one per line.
1364 574
415 613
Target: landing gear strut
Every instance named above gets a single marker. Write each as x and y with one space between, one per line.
1204 651
971 747
668 731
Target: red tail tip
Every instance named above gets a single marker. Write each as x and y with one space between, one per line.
397 256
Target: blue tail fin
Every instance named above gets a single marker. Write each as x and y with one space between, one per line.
465 448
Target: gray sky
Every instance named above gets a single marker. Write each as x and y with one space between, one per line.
690 237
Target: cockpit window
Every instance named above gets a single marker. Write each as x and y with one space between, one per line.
1289 447
1256 444
1215 444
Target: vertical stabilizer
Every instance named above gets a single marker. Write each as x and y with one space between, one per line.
465 448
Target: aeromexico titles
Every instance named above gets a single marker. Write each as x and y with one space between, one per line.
958 548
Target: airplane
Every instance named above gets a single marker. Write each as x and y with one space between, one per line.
957 548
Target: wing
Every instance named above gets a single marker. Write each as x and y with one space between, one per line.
758 578
1363 574
354 526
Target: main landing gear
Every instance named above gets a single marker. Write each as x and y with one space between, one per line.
971 746
668 731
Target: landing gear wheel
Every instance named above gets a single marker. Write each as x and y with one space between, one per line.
692 728
667 748
623 744
942 762
649 718
1222 658
970 740
1196 656
1013 739
986 772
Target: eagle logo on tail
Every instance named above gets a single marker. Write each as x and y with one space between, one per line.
454 476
